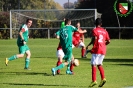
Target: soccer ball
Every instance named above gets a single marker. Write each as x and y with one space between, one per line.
76 62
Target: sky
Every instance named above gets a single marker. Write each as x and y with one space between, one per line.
61 2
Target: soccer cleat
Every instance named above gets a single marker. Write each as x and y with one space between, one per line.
27 68
53 71
69 73
85 56
6 61
102 82
93 84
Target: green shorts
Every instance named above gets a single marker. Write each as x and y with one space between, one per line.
68 54
23 49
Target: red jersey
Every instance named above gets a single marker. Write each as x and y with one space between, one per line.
101 35
59 47
76 37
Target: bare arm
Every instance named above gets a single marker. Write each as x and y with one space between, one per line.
21 36
82 31
91 42
56 35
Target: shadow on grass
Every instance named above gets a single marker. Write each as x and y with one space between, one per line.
26 73
21 84
117 60
126 62
109 60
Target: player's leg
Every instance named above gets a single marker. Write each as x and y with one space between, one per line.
93 64
87 51
60 55
72 64
67 59
20 55
82 46
101 69
27 59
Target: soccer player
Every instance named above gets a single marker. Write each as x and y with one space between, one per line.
60 53
65 35
77 42
63 23
100 40
22 45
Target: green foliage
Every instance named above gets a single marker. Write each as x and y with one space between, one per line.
118 65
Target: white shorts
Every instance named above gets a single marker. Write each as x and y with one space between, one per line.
60 53
81 44
97 59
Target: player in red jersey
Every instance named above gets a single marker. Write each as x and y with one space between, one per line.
78 40
98 51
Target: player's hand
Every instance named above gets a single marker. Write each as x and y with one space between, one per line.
85 31
23 42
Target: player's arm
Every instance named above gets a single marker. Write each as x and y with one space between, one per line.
107 41
82 31
91 42
21 35
57 34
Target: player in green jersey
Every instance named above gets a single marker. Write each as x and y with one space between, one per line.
65 35
63 23
22 45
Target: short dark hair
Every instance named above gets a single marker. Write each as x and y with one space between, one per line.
28 20
98 21
67 20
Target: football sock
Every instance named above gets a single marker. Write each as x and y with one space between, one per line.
68 67
58 63
12 57
27 61
86 52
93 73
60 66
82 52
71 67
101 71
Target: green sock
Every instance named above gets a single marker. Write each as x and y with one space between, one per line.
68 67
60 66
12 57
27 61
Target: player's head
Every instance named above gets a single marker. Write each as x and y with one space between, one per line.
29 22
98 22
67 22
78 24
64 19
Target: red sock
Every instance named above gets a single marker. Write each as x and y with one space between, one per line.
101 71
58 63
82 51
71 67
94 73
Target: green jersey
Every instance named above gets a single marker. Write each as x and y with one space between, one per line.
65 35
24 29
62 24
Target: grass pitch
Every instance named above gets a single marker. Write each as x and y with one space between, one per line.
118 65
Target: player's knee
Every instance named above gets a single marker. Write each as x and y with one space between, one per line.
20 55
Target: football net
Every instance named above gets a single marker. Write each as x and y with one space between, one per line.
47 22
